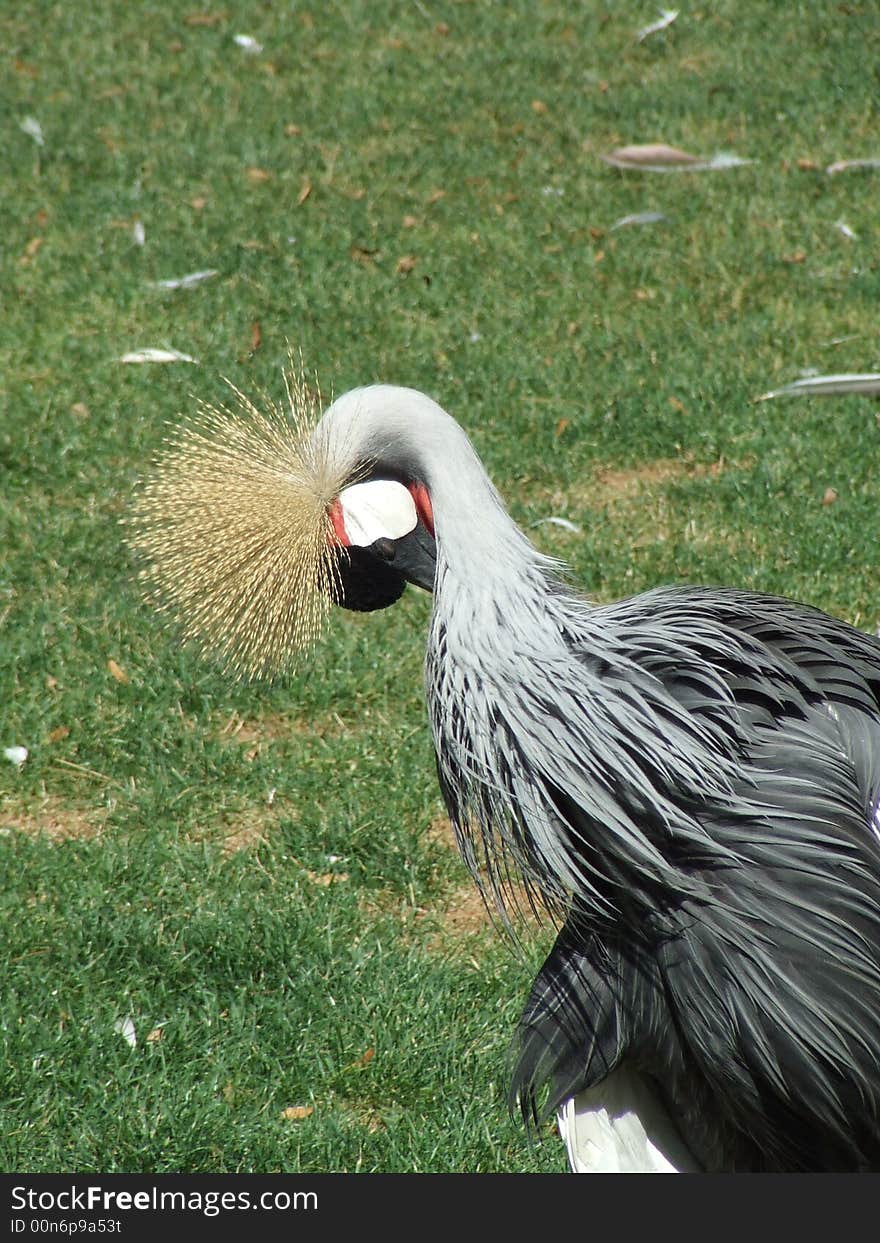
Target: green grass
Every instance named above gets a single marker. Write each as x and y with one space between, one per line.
606 377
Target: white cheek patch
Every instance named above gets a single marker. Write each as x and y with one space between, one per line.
377 509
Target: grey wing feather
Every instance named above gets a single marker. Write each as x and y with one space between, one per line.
737 840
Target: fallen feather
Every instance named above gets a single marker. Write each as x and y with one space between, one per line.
295 1113
828 385
657 157
841 166
118 672
16 755
31 250
649 154
666 18
559 522
33 129
125 1028
640 217
185 282
724 159
156 356
853 336
847 232
138 236
248 44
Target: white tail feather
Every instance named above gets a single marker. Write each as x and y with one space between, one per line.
620 1127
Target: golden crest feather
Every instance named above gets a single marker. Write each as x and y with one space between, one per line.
233 529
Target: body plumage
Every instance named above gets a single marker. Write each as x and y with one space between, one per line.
688 780
701 812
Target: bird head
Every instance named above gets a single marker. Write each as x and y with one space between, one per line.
255 520
383 521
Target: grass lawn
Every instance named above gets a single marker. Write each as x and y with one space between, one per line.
235 934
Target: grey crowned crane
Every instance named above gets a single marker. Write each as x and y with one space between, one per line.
688 779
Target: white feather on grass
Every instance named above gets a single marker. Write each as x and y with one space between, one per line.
125 1028
185 282
867 383
843 166
32 127
658 157
637 218
151 355
666 18
558 522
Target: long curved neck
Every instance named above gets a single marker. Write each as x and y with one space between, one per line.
476 537
493 593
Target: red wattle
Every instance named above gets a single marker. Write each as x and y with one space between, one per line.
424 507
338 522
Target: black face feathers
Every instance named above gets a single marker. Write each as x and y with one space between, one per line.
376 576
365 581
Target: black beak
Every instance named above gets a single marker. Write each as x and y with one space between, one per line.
413 555
375 577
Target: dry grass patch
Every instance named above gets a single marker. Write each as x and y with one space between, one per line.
54 818
459 916
235 831
463 917
610 487
256 734
357 1114
463 914
638 500
442 833
247 836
